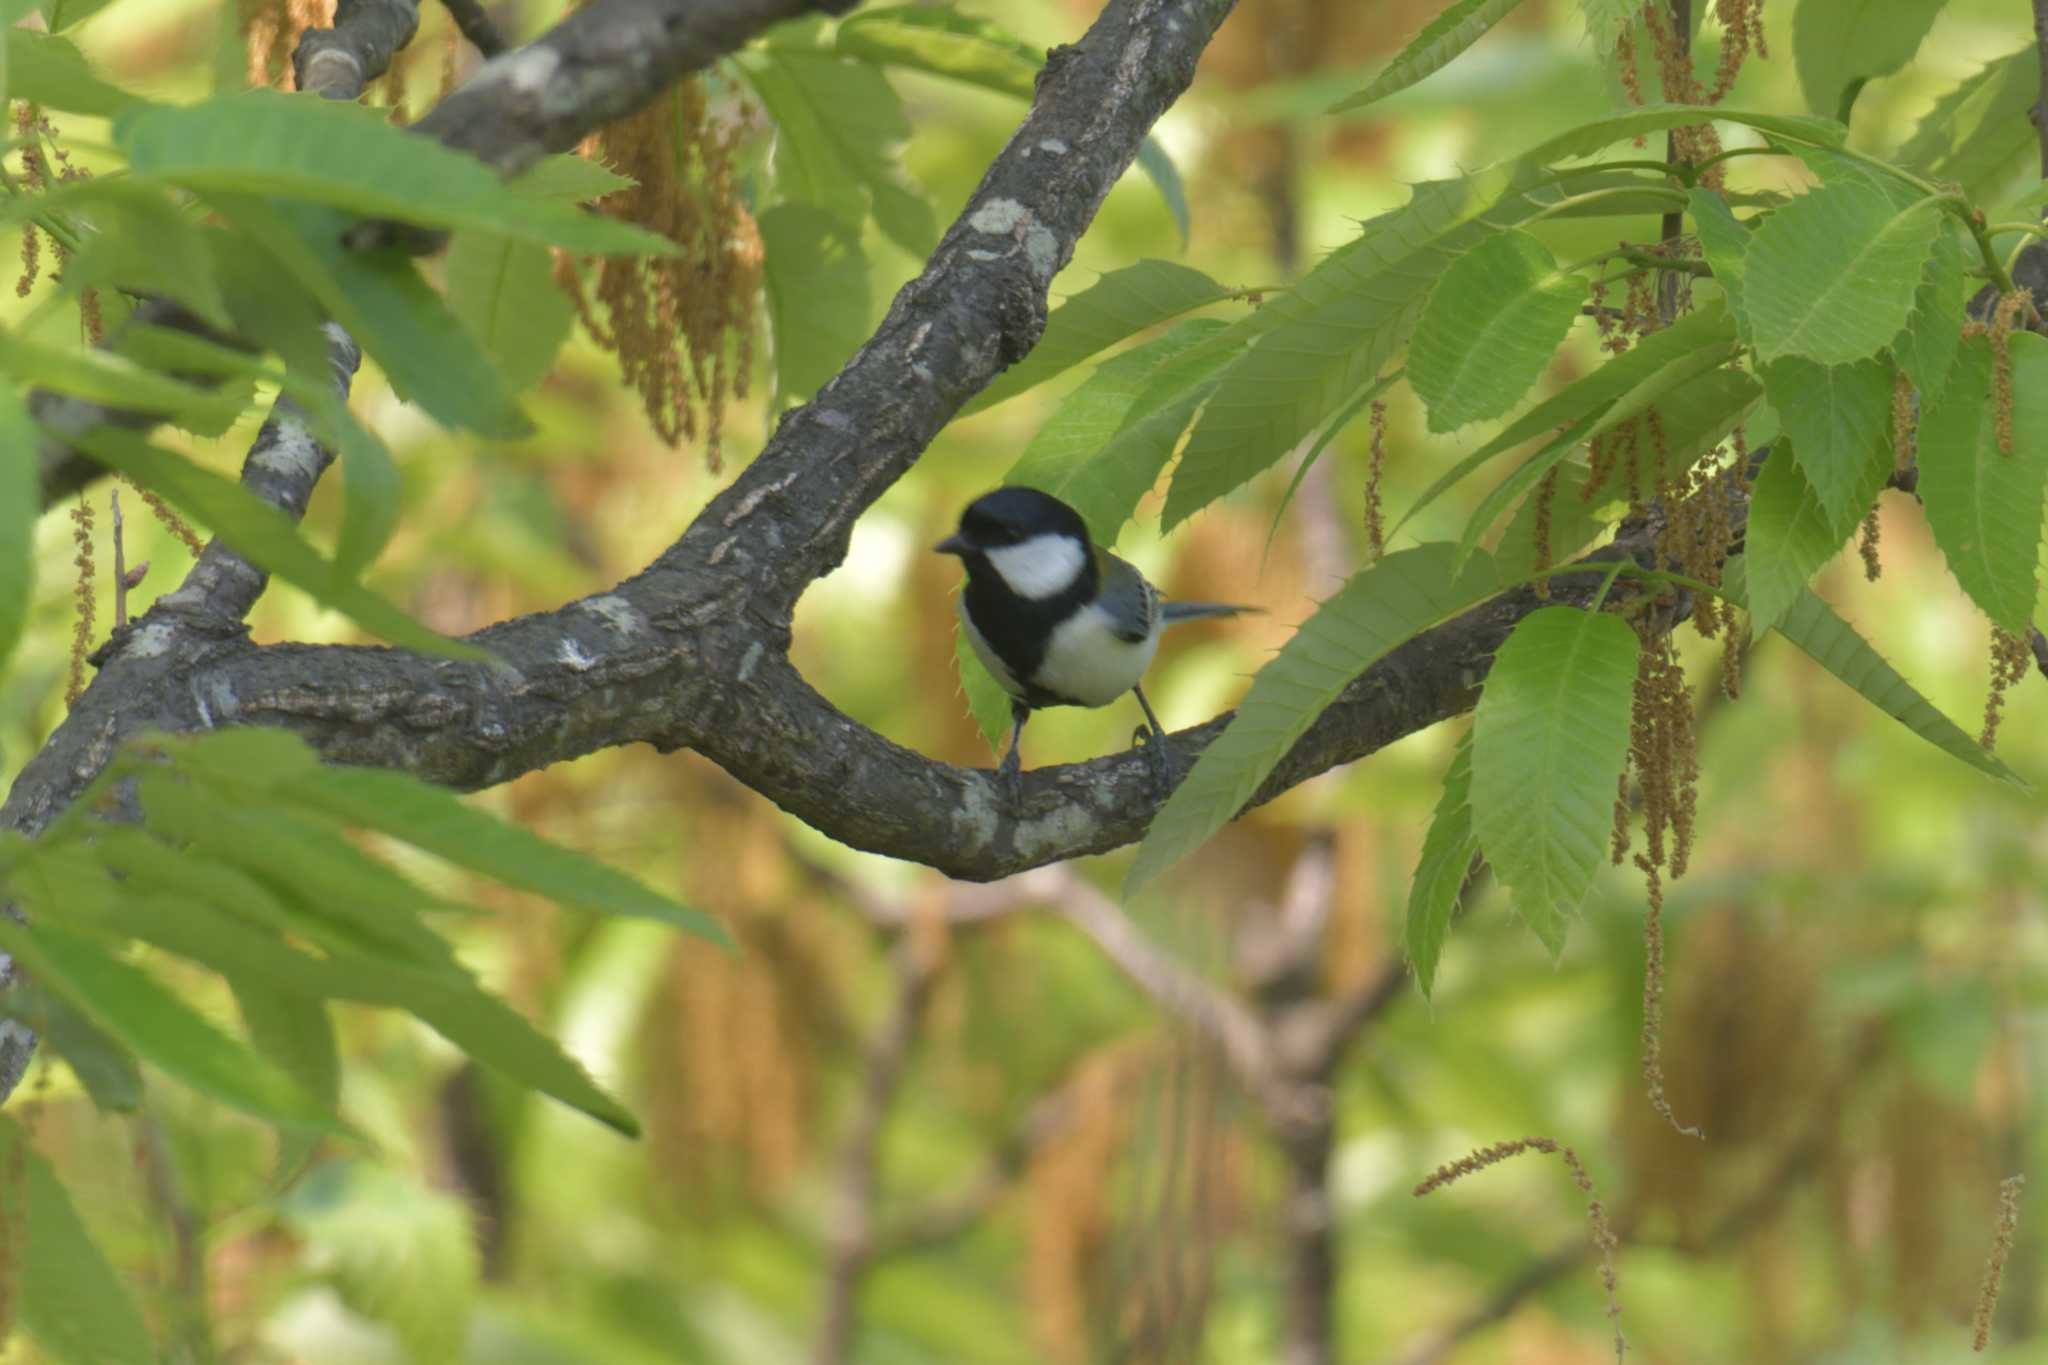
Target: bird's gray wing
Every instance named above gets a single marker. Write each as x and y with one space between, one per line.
1131 603
1173 613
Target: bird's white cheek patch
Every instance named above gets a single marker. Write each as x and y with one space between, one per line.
1041 567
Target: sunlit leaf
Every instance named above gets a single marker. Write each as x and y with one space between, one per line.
1833 414
1831 276
1456 28
46 70
1549 737
504 292
1656 118
818 296
1980 135
943 42
1491 325
1157 164
1839 44
1926 347
1984 504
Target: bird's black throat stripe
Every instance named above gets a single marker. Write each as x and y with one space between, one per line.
1019 628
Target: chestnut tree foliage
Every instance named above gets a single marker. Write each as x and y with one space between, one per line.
1773 362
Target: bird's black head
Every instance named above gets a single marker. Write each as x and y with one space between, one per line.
1011 516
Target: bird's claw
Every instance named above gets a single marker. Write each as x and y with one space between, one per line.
1158 753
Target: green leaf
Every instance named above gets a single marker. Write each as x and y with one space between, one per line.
1447 853
1926 348
1833 415
1158 167
1334 333
1725 242
1572 521
104 376
105 1068
69 1298
818 297
987 702
263 534
1980 135
1119 305
568 176
1839 44
1103 450
1549 737
1984 505
1377 610
20 506
1490 327
1656 118
293 1030
142 242
134 1008
943 42
351 157
1813 626
1707 333
51 71
1791 534
504 292
1832 275
839 127
429 357
1460 25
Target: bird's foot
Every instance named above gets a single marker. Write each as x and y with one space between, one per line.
1159 753
1010 779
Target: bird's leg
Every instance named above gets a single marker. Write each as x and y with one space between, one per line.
1156 748
1010 773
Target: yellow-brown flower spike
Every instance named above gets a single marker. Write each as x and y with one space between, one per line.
2010 657
1994 1266
1545 495
2003 317
1375 509
172 522
1866 546
82 597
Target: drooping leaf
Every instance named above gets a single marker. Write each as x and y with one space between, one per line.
1549 737
150 1021
943 42
1707 334
1119 305
1447 853
1791 534
1834 644
1346 415
402 323
839 126
1983 504
50 71
1839 44
1490 327
1335 332
1377 610
263 534
1979 135
69 1298
818 297
1831 276
20 506
1926 347
1833 414
1456 28
143 242
371 490
504 292
1098 453
262 142
1571 521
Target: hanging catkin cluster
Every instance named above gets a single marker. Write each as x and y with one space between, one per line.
682 326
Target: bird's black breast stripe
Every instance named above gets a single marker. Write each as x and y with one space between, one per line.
1017 628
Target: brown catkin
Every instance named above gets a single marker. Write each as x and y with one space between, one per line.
1375 510
1546 495
2002 319
1653 1002
82 596
1867 546
1994 1265
2010 656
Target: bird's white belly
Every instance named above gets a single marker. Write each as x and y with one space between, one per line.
1086 663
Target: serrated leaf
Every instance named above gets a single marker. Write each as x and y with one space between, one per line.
345 156
1549 737
1118 306
819 301
1102 451
1377 610
1447 853
1833 415
1831 276
943 42
141 243
1571 521
262 534
50 71
1834 644
429 357
1656 118
1984 505
1980 134
1791 534
1460 25
20 507
504 292
1334 333
568 176
134 1008
1706 331
1839 44
69 1298
1926 347
293 1030
1346 415
839 126
1491 325
1725 242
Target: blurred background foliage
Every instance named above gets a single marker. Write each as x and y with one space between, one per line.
1054 1167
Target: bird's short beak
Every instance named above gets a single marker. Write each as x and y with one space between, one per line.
955 544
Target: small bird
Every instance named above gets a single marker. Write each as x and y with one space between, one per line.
1058 620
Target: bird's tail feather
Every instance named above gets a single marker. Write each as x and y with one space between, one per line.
1173 613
